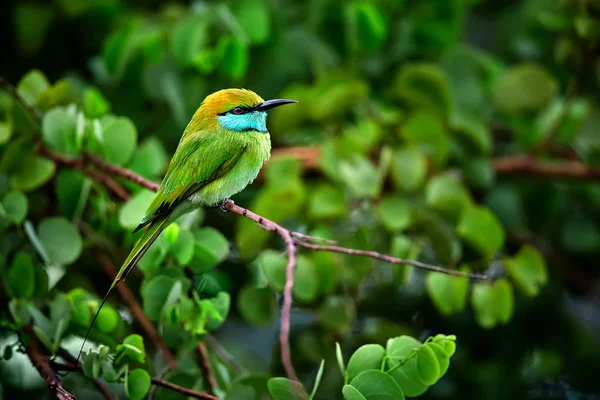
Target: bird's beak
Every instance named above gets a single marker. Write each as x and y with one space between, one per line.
267 105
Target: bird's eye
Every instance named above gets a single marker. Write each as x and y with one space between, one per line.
238 110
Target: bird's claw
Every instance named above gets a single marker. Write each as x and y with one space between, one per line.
222 205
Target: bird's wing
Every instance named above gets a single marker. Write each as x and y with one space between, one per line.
199 159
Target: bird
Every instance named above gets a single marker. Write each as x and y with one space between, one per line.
221 151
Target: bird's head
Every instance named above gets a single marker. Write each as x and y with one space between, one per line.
238 110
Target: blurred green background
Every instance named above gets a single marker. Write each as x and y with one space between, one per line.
412 120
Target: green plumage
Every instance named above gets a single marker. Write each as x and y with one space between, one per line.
219 154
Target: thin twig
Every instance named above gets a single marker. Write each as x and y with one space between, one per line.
207 368
155 381
306 238
529 165
15 93
122 172
43 366
136 309
99 385
223 354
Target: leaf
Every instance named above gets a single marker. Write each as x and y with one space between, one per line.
94 103
424 85
480 227
108 319
132 347
409 168
254 18
257 305
352 393
210 250
399 347
20 277
273 265
377 385
15 206
503 300
428 368
367 24
447 195
526 87
366 357
528 270
189 38
32 85
340 359
59 130
34 171
119 138
183 247
426 130
150 158
70 190
482 299
155 294
285 389
132 212
394 212
6 131
327 202
305 276
60 239
448 293
220 304
407 378
137 384
336 313
318 379
234 57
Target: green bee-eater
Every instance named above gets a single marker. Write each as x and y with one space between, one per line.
221 151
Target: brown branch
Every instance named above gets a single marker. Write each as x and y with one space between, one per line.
207 368
122 172
43 366
182 390
529 165
15 93
155 381
136 309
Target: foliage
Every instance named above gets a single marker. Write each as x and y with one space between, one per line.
406 109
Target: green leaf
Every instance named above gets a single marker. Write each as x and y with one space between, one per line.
108 319
137 384
257 305
132 347
428 368
305 276
15 206
59 130
119 139
273 265
407 378
362 137
183 247
377 385
442 357
480 228
32 85
189 38
327 202
424 85
367 24
528 270
285 389
72 187
33 172
399 347
503 300
340 359
352 393
94 103
394 212
211 249
155 294
318 379
234 57
409 168
221 304
448 293
426 130
150 158
476 133
526 87
482 299
20 277
446 194
336 313
6 131
366 357
254 18
60 239
132 212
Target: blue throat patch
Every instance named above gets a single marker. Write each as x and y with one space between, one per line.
252 121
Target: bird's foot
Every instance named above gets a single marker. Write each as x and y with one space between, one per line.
222 205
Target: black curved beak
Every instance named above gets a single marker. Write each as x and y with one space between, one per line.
267 105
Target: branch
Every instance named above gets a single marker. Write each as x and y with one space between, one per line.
136 309
42 364
155 381
220 351
15 93
529 165
207 369
99 385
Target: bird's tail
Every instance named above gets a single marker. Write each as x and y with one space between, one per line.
139 249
